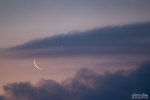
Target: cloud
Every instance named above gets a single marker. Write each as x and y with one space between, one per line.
48 89
85 85
1 97
127 39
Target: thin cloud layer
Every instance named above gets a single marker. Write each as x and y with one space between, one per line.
85 85
127 39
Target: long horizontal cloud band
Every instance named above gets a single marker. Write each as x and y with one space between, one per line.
85 85
134 38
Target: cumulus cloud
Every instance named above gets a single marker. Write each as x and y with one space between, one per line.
127 39
85 85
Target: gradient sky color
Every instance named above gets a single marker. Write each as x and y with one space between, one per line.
25 20
65 36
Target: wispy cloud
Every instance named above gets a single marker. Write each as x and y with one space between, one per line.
85 85
127 39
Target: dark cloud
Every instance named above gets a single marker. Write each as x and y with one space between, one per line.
1 97
86 85
130 39
46 90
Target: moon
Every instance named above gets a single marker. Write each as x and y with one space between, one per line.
36 66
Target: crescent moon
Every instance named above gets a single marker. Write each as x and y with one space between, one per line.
36 66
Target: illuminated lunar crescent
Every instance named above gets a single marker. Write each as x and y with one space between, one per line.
36 66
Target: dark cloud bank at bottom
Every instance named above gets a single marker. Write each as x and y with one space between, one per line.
85 85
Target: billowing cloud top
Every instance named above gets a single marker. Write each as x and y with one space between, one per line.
134 38
86 85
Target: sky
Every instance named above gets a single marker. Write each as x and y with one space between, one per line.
25 20
90 48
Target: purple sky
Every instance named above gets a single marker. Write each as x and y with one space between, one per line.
26 20
67 35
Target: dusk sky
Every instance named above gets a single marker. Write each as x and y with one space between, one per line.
82 46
